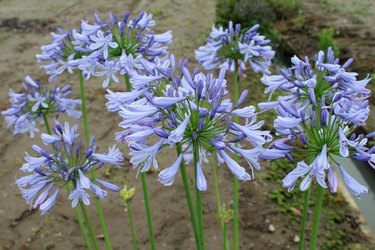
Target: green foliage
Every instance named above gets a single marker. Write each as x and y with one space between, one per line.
299 21
2 35
288 202
263 12
338 239
247 13
244 12
157 12
326 40
286 8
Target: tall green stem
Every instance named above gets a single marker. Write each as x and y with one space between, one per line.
235 180
75 209
127 83
301 244
102 223
189 198
148 211
316 218
225 243
217 195
131 224
216 184
198 197
81 225
89 225
83 105
93 173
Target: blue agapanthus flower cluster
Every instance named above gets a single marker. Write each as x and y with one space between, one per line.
67 163
28 107
323 109
105 48
231 48
188 109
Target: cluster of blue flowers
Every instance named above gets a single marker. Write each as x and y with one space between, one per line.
28 107
231 49
105 48
67 164
324 107
181 108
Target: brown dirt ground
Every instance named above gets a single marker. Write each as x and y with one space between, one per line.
24 27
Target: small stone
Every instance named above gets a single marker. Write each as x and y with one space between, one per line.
267 221
271 228
296 239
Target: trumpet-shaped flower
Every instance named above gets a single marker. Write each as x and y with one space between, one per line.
167 175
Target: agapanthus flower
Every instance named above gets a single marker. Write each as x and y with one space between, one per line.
324 108
35 101
66 163
58 54
232 48
189 110
106 48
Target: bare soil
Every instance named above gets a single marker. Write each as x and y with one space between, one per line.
24 27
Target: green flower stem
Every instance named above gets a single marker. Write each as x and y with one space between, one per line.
131 224
75 209
127 83
89 225
46 124
235 158
217 195
102 223
225 234
93 173
301 244
198 197
216 184
81 225
148 211
317 210
84 110
189 198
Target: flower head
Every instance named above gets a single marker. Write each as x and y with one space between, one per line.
192 111
231 48
105 48
323 108
68 163
36 101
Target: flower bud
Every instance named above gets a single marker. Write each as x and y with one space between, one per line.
127 194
